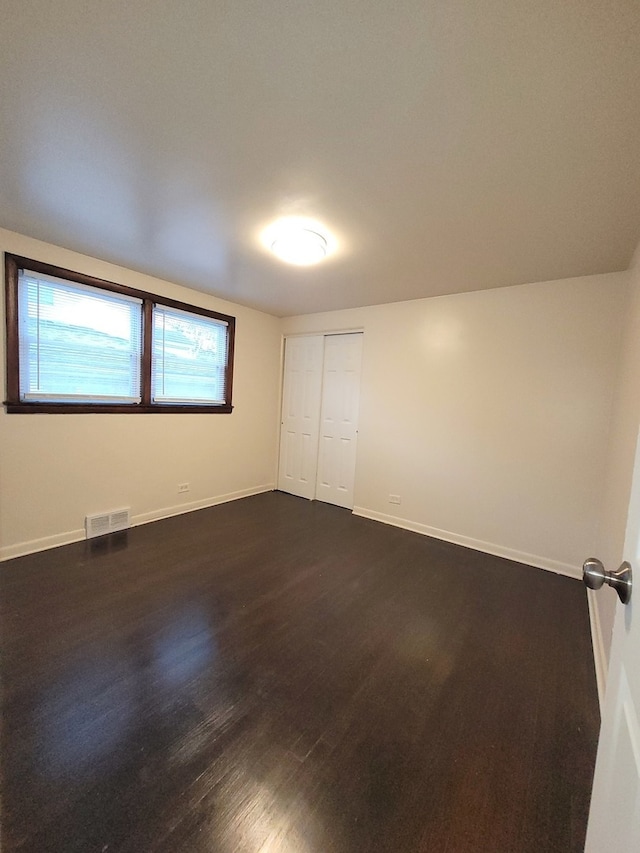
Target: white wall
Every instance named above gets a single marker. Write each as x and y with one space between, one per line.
55 469
488 413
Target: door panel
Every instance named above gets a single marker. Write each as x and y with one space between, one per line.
614 818
339 419
300 415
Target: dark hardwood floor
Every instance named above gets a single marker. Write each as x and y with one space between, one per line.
278 676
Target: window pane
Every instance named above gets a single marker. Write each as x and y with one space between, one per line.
77 343
189 357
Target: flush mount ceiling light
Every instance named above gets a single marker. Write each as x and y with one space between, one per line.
301 247
298 241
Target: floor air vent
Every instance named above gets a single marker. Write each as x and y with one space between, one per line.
106 522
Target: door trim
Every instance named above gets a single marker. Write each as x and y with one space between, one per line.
599 655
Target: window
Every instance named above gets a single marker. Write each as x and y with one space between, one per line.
79 344
188 357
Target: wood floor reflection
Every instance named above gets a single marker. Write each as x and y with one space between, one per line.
278 676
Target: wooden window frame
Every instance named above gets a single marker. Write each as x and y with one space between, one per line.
13 404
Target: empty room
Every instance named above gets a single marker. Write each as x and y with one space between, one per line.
358 575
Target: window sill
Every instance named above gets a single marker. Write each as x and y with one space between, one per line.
105 409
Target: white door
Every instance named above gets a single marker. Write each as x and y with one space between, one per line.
614 819
300 415
339 419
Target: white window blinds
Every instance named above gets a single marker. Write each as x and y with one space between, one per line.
189 356
77 342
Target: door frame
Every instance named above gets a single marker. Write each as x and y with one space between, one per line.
599 654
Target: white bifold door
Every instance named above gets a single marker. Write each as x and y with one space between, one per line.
339 419
319 424
300 420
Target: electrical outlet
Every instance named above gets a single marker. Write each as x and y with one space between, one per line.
183 487
394 499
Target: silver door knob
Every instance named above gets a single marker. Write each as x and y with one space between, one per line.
594 576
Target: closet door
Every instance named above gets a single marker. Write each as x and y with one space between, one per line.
339 419
300 415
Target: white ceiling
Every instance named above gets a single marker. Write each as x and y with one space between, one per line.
451 145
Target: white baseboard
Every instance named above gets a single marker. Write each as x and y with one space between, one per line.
599 654
181 509
477 544
32 546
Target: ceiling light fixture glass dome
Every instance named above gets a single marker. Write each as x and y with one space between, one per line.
296 241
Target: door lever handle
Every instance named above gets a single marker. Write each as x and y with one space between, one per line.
594 576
